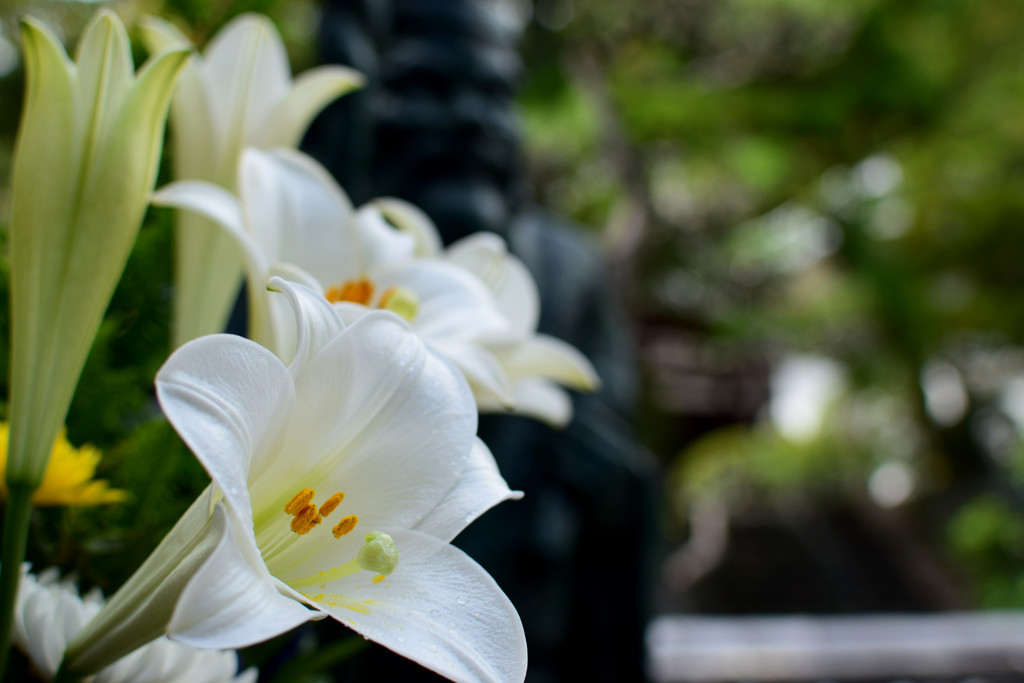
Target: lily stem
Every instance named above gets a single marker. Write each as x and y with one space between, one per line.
16 520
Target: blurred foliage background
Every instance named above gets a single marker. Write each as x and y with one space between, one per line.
813 211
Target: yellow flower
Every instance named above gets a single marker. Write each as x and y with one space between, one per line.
68 479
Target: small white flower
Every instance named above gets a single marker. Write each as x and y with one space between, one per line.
338 483
50 612
474 304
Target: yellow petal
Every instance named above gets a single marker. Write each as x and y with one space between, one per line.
68 479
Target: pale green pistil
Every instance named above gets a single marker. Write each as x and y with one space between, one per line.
378 555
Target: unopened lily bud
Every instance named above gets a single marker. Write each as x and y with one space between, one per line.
85 163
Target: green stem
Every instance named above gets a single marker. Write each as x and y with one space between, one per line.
19 510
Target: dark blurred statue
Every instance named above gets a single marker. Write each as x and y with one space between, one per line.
447 137
576 554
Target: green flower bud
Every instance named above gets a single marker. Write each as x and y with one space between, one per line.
85 163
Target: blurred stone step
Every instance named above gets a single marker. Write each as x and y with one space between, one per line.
946 646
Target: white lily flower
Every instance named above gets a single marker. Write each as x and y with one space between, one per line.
50 612
238 94
85 162
475 304
338 483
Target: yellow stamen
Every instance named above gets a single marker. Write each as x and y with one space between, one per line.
306 519
301 499
357 291
332 503
379 578
346 525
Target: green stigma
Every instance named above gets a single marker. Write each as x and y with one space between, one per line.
379 555
401 301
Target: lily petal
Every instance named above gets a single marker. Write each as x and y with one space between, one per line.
410 219
230 601
486 256
203 198
105 73
208 258
246 60
350 312
480 488
160 35
141 608
379 242
550 358
49 134
453 305
216 204
491 385
190 108
402 400
285 188
454 619
313 91
316 320
292 273
543 400
229 399
281 335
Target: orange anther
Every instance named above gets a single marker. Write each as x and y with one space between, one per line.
357 291
301 499
306 519
332 503
346 525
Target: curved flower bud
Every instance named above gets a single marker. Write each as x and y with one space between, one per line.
238 94
85 163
